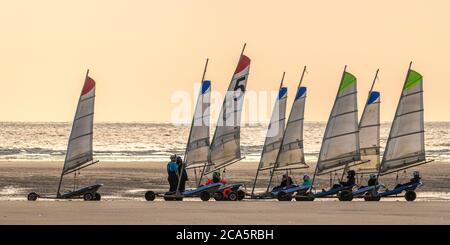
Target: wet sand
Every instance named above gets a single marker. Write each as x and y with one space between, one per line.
125 184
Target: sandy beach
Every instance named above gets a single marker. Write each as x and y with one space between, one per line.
125 184
140 212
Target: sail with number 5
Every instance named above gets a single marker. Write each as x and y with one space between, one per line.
225 146
340 144
79 149
405 146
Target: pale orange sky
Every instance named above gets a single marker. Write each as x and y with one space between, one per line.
140 52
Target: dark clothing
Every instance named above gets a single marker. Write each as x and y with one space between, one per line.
350 181
173 181
372 182
284 182
415 180
184 177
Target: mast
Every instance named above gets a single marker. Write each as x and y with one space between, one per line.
183 164
62 172
284 134
259 166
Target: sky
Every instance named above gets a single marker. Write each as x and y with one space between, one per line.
142 52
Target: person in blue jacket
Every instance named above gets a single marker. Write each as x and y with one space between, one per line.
172 173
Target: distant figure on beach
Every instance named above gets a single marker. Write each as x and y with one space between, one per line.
215 179
182 172
372 180
307 181
350 179
286 180
172 172
414 180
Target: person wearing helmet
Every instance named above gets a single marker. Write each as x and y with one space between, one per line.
182 172
372 180
172 173
414 180
416 177
286 180
350 179
215 179
307 181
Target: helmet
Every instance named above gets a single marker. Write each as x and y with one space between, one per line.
216 175
351 173
173 157
373 176
416 173
306 177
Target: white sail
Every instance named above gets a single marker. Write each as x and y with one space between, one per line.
225 145
291 151
275 131
340 144
406 145
79 149
369 134
197 149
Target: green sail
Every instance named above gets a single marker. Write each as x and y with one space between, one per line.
347 81
413 79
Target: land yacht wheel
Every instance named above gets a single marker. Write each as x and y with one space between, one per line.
88 196
410 196
284 197
232 196
205 196
241 195
33 196
98 197
308 197
218 196
150 196
345 196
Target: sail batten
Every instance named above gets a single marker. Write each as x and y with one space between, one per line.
225 146
79 148
340 144
406 144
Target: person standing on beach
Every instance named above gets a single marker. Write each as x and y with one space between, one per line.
182 172
172 172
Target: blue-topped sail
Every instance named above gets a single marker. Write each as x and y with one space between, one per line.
275 131
197 149
369 134
206 85
300 92
291 150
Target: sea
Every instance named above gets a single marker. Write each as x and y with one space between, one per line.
113 141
